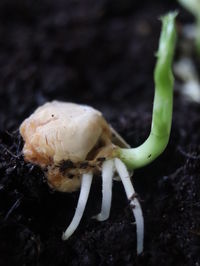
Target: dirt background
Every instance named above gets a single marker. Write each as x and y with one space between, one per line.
99 53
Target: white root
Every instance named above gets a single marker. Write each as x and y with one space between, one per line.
137 211
107 176
83 197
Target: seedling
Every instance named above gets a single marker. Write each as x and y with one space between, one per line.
193 6
73 142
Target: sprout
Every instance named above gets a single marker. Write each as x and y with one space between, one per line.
193 6
163 102
72 142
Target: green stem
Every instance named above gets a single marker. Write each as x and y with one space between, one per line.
163 101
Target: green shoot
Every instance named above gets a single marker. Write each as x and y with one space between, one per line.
193 6
163 101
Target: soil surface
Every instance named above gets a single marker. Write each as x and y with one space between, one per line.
99 53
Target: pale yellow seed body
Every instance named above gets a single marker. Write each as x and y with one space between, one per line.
59 131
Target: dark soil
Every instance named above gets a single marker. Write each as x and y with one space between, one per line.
99 53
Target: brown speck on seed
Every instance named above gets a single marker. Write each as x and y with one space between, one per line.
101 159
84 165
65 165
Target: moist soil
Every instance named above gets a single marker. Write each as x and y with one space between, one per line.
100 53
